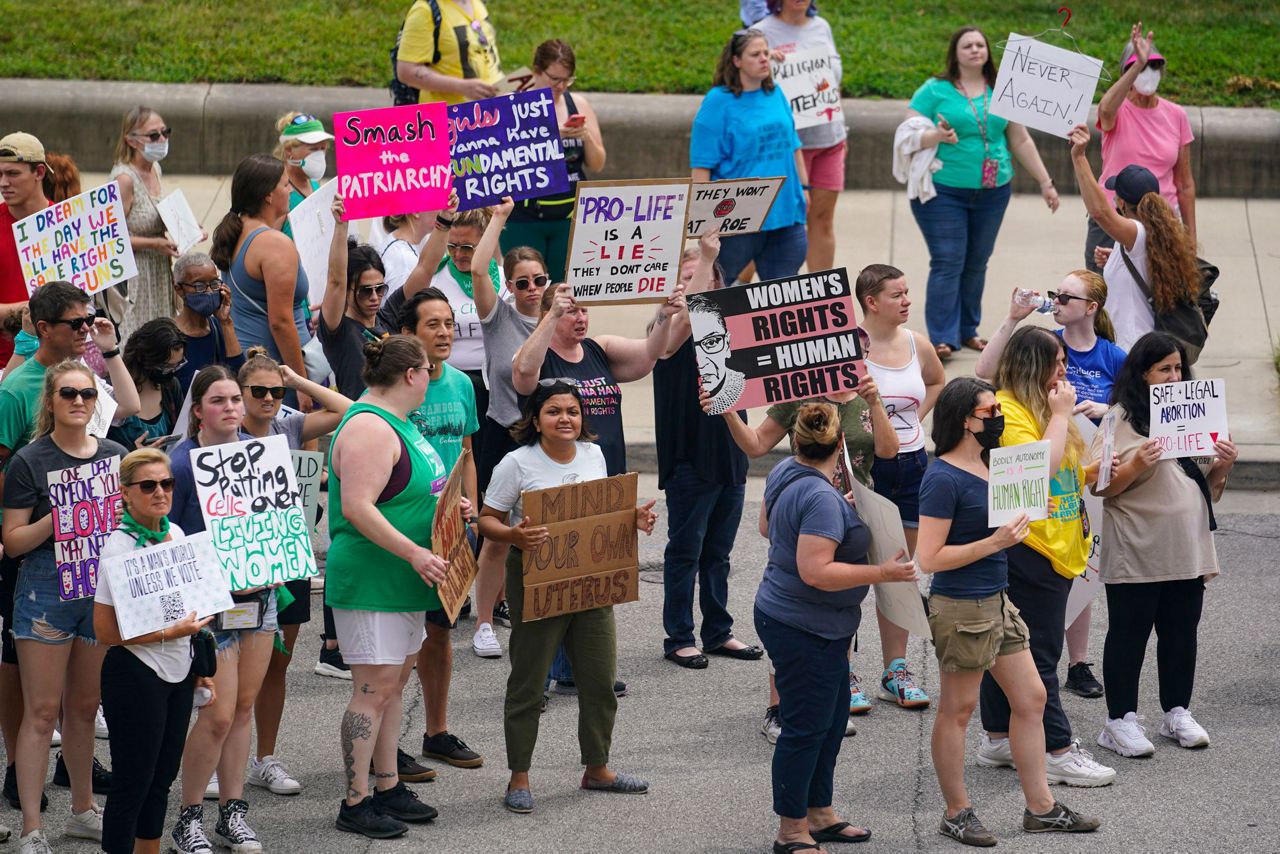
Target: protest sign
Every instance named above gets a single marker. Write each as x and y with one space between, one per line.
1088 585
248 496
506 146
160 585
626 238
180 221
84 503
1188 417
519 80
899 601
1043 86
104 410
393 160
449 542
312 225
307 467
83 240
771 342
592 557
1108 428
736 206
1018 482
808 80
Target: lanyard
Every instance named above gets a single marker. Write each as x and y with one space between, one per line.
980 120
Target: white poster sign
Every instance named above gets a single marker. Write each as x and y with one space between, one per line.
899 601
1018 483
809 82
1188 417
312 225
1043 86
83 240
1108 451
736 206
180 221
104 410
160 585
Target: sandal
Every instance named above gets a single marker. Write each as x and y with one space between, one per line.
697 661
835 833
944 351
976 343
788 847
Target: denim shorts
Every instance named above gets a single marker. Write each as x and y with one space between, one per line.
39 613
231 638
898 480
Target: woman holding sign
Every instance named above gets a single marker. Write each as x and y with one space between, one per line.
147 680
1159 512
60 659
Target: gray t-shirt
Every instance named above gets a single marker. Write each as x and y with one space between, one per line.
289 426
815 32
26 480
504 330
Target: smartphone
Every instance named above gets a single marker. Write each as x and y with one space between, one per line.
577 120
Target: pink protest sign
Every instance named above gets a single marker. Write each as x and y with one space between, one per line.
393 160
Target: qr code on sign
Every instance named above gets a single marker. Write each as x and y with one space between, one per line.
172 607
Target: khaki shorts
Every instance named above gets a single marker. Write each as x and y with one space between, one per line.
970 634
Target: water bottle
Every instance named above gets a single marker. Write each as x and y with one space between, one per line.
1030 298
202 697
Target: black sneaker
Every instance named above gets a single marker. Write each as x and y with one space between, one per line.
364 818
11 790
331 664
447 747
1060 819
502 614
966 828
188 836
411 770
232 831
102 779
1080 680
465 610
619 688
402 803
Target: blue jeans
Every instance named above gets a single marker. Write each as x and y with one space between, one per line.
960 228
778 253
702 521
898 479
812 677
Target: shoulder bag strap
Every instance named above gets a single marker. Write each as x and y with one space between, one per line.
1133 271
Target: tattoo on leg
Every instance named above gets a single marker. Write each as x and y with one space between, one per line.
365 689
387 776
354 726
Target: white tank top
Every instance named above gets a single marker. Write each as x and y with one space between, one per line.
902 390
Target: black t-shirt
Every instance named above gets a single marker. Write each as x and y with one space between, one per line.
344 348
684 432
601 399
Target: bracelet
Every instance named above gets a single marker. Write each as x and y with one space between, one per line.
805 187
111 354
447 223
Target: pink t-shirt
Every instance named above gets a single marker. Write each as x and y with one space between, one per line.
1152 138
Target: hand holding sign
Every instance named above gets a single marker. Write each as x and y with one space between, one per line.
1012 532
526 536
429 567
898 568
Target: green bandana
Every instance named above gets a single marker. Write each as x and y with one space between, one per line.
141 534
464 279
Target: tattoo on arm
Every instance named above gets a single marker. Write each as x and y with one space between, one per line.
354 726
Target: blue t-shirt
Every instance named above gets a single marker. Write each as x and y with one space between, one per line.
1095 371
185 510
751 135
802 501
952 493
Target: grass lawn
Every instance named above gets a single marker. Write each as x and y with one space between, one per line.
1221 53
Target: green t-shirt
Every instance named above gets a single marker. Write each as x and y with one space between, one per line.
448 414
962 162
295 199
19 401
855 421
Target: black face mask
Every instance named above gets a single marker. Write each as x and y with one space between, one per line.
160 375
992 429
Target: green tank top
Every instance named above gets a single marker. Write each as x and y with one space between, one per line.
361 575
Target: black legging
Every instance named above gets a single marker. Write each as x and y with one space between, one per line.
1173 609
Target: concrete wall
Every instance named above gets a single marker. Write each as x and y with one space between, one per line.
647 136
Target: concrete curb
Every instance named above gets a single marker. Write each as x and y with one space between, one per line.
647 135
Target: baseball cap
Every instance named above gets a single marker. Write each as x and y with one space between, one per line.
1132 183
305 129
21 147
1129 57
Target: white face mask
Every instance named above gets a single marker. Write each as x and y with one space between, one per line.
1147 81
156 151
313 165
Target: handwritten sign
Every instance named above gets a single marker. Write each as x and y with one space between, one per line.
157 586
1087 585
626 238
519 80
770 342
736 206
1043 86
591 558
899 601
1188 417
307 467
393 160
179 220
83 240
809 81
85 507
449 542
506 146
1018 483
104 411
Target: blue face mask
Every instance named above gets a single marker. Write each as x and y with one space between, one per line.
205 305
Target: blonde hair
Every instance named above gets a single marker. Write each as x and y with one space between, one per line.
256 359
816 433
280 152
477 218
1095 288
1172 270
132 119
1029 359
135 460
44 418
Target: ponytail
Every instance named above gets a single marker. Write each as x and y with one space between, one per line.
255 178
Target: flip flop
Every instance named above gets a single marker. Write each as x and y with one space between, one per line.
976 343
944 351
697 661
788 847
835 833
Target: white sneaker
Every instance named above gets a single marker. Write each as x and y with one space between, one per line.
5 833
772 726
270 773
1076 767
86 825
34 843
995 754
211 791
849 728
57 738
1178 724
485 643
100 725
1126 736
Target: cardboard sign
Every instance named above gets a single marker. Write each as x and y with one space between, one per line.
449 542
626 239
160 585
1188 417
104 411
85 506
899 601
83 240
809 82
771 342
736 206
520 80
307 467
1088 585
393 160
179 220
1018 482
1043 86
592 557
506 146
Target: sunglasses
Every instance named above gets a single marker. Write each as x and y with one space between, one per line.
76 323
460 247
85 394
526 282
302 119
149 486
1065 299
479 31
261 391
555 381
155 135
994 411
366 291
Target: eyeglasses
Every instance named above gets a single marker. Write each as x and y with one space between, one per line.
366 291
76 323
550 382
479 31
460 247
560 81
713 343
203 287
525 282
149 486
85 394
261 391
155 135
1065 299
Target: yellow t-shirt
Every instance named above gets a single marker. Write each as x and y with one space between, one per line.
468 45
1060 538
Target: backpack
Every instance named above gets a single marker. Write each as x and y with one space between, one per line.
402 93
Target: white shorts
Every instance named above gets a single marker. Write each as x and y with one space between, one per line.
379 637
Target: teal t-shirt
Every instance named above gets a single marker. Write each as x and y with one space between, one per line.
962 162
295 199
19 400
448 414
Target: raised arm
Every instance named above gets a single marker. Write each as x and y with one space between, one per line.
754 442
319 422
122 387
989 358
703 276
433 253
632 358
487 298
334 305
526 367
1119 228
1109 106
